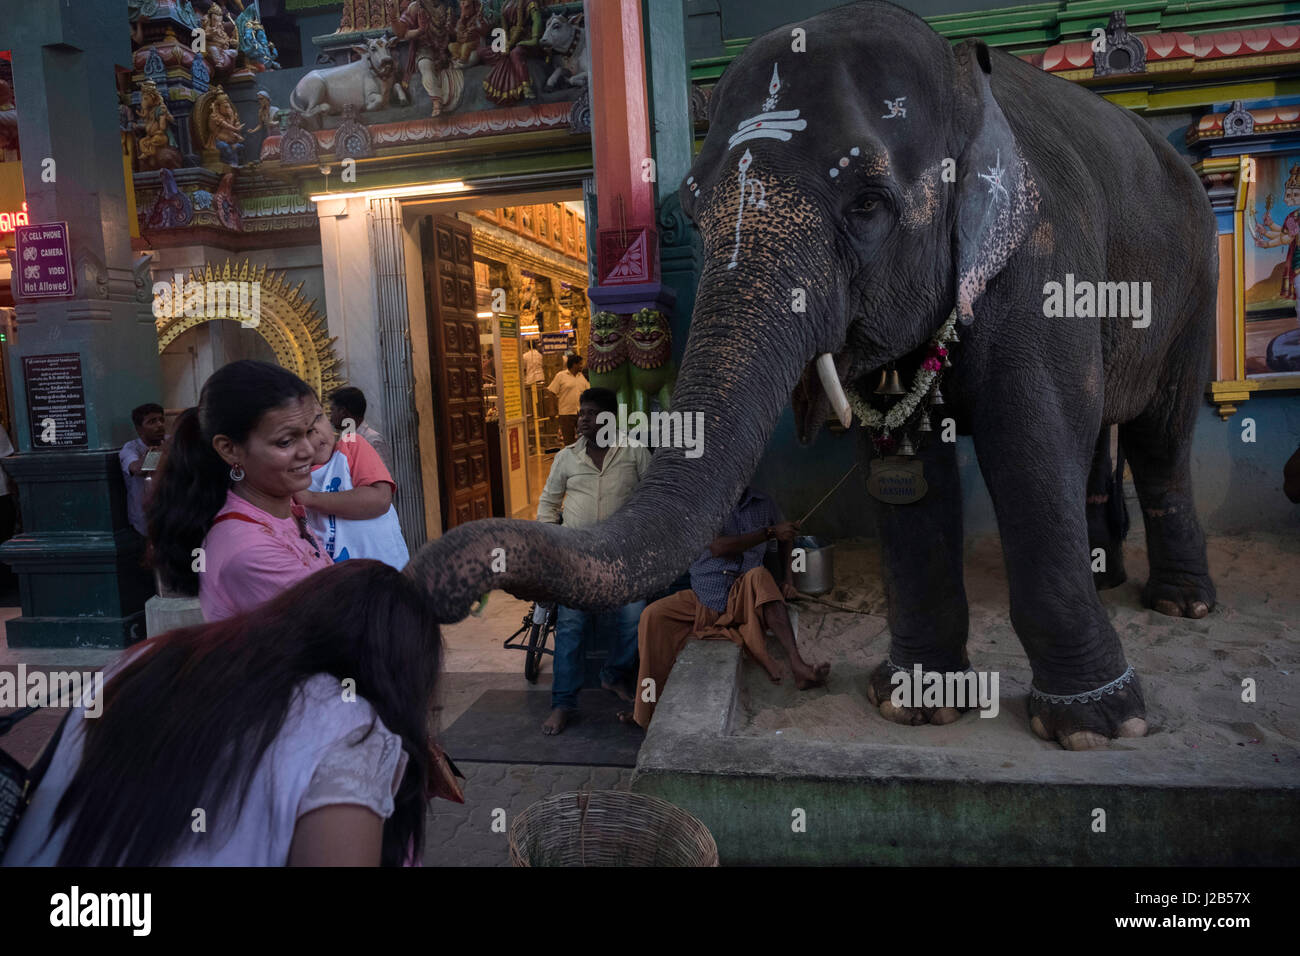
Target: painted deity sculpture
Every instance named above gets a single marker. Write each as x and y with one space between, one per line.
607 359
219 127
428 27
650 358
471 28
566 39
259 52
221 43
509 80
156 146
268 119
366 83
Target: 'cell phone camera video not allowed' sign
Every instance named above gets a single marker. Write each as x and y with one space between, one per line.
42 262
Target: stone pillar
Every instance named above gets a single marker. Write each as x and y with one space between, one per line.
78 561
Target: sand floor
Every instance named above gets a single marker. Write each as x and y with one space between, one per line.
1191 671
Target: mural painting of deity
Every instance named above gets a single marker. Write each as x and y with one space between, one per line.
1272 307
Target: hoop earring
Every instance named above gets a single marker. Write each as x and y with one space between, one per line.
237 473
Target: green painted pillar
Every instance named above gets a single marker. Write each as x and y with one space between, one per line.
77 559
672 130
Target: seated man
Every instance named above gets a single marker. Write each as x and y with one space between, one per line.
592 483
731 596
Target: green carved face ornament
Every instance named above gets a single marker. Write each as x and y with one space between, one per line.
608 347
652 341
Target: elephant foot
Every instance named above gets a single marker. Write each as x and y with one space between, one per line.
898 708
1090 720
1179 595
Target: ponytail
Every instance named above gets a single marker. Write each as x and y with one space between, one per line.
190 489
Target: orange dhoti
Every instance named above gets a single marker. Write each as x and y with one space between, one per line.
667 624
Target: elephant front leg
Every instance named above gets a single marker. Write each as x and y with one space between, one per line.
921 545
1084 691
1107 518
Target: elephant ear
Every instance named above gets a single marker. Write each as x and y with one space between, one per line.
997 201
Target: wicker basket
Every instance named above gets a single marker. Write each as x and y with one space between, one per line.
609 828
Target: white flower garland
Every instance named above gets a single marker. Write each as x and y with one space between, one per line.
921 384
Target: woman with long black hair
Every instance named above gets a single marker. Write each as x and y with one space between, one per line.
222 520
297 733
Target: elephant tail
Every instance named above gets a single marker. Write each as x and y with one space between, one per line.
1117 507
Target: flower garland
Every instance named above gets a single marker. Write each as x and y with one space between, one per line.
926 377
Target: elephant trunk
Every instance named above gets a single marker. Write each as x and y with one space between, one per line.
743 357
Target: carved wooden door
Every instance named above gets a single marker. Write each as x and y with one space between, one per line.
466 490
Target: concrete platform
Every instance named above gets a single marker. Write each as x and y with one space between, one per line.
865 803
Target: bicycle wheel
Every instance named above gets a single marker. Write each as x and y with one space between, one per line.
533 657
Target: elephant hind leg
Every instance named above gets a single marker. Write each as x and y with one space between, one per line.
1107 515
1158 446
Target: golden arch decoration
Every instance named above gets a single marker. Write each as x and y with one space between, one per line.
287 321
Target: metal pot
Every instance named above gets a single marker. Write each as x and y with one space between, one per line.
818 577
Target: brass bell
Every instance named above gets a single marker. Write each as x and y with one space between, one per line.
891 384
923 424
936 397
906 449
947 362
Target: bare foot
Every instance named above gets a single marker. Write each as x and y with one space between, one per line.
806 677
556 722
619 690
625 717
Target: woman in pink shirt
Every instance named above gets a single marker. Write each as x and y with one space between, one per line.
222 521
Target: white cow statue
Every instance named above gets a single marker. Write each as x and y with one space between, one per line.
567 38
366 83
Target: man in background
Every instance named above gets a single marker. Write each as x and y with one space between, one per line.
567 386
589 483
349 402
151 431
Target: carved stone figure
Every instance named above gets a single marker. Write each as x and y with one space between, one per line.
366 83
427 26
268 119
509 80
221 43
259 52
607 364
567 39
471 28
218 126
156 146
653 372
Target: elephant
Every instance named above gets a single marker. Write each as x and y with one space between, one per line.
851 201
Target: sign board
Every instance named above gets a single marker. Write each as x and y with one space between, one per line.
555 343
511 388
42 262
56 400
897 481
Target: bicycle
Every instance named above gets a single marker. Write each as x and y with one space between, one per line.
533 635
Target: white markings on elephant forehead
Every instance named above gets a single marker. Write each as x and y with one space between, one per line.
844 162
752 193
771 123
896 109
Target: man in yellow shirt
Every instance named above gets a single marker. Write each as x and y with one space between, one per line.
589 483
567 386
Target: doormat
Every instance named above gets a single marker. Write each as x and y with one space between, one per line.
505 726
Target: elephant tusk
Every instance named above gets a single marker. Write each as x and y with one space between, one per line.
834 390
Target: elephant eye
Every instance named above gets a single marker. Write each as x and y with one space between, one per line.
870 204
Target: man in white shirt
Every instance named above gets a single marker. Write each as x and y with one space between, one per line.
151 431
567 386
533 365
590 483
